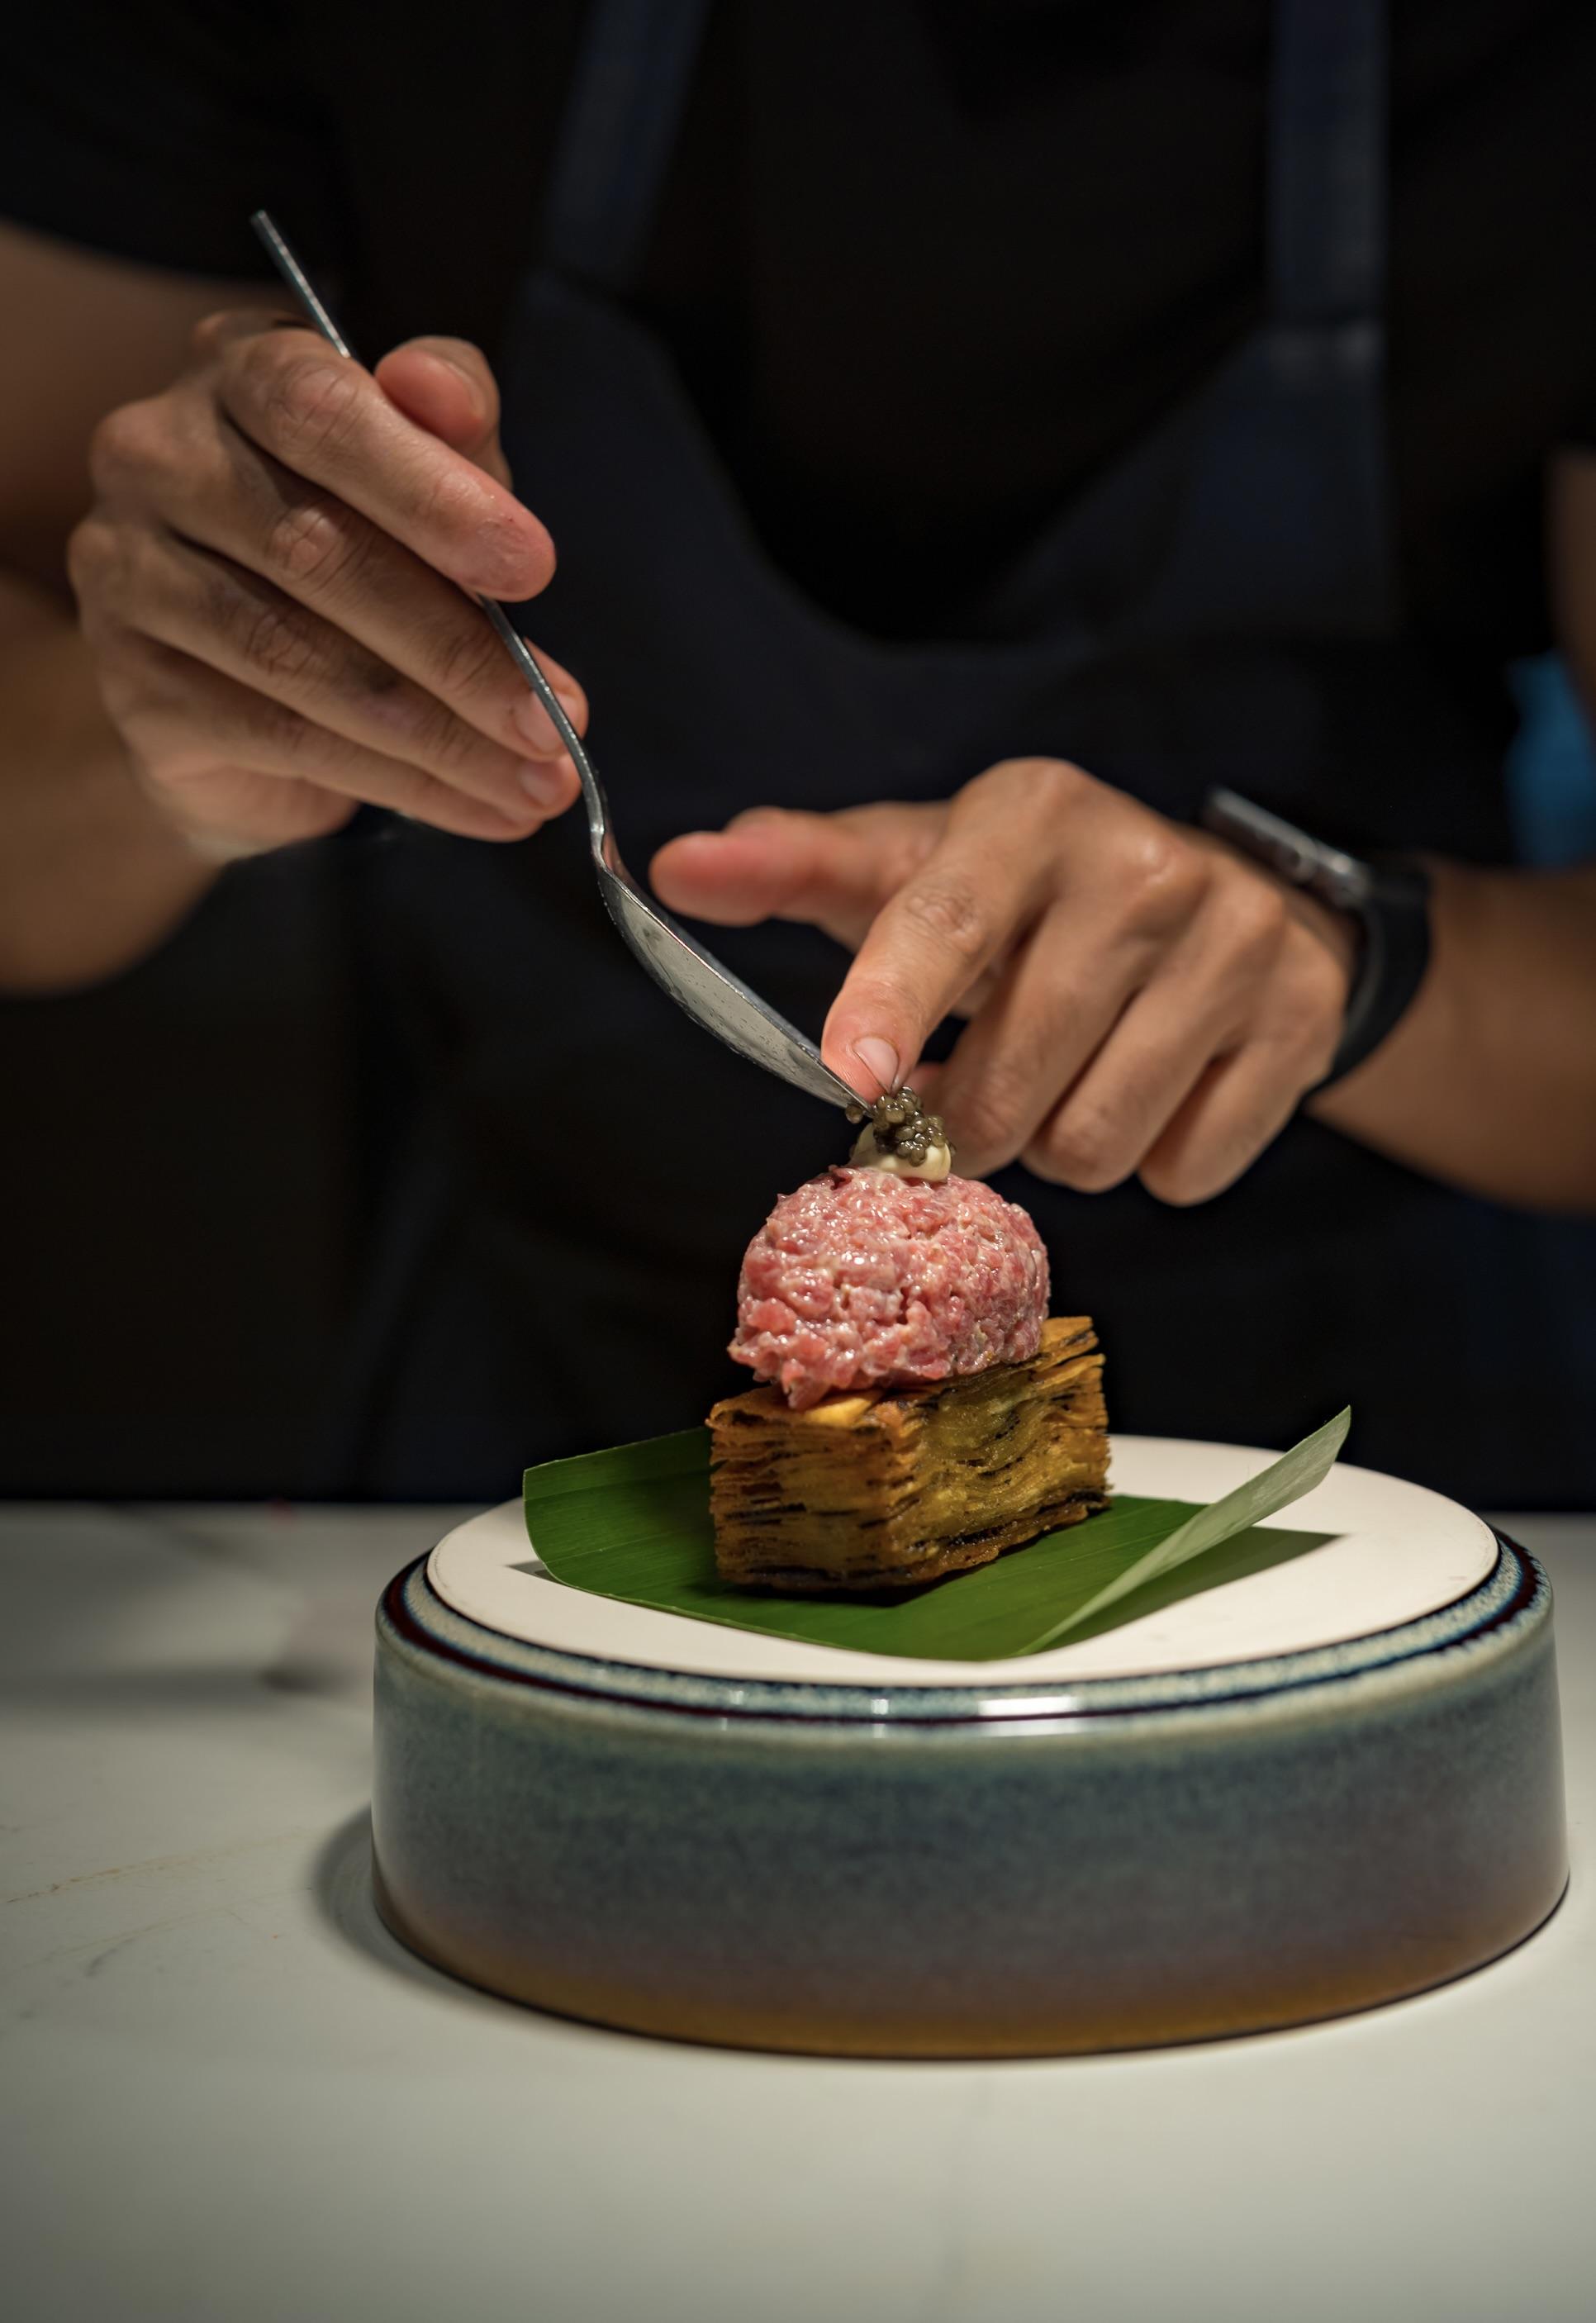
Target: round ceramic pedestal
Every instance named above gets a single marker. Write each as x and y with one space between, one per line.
1326 1786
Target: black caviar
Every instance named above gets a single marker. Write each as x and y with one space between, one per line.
899 1127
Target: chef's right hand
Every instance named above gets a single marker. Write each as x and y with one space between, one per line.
266 580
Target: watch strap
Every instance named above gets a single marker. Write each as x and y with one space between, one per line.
1389 898
1395 914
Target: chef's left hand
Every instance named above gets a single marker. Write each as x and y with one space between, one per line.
1141 1000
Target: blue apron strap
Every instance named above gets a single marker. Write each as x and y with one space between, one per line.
1327 161
627 96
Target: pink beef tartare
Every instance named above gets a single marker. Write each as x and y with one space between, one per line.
863 1279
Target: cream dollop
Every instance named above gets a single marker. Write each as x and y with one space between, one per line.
869 1153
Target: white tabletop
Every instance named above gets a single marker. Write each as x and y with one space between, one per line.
228 2094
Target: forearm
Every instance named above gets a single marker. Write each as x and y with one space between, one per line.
91 878
1489 1081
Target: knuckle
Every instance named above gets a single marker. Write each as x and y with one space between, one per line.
210 332
121 447
466 660
91 556
448 744
450 507
277 645
1080 1149
947 909
1050 781
1176 1181
1055 783
1043 791
310 543
1165 868
1256 915
1161 877
311 401
1155 854
993 1116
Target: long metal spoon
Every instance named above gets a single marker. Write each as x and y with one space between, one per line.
694 978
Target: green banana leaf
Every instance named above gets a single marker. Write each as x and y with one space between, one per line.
633 1523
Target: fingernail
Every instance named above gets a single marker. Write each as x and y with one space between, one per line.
544 785
880 1058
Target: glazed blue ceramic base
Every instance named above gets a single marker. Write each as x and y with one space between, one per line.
981 1871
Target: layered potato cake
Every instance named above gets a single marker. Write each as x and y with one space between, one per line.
889 1488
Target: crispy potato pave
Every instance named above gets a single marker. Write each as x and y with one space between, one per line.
894 1487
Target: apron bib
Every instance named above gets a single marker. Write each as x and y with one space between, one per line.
559 1265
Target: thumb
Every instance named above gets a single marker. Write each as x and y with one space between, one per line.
447 386
836 871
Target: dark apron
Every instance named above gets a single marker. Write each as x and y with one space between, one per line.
559 1263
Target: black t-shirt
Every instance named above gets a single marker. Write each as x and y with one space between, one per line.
924 267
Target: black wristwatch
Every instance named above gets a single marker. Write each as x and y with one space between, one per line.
1389 897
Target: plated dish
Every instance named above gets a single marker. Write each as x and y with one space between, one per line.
1324 1781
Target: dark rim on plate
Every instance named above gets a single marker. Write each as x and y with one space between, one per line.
1515 1592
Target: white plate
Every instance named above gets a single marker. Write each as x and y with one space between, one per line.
1396 1552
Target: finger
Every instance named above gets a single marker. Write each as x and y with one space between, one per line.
217 614
1057 1001
198 725
1240 1106
447 386
831 871
1242 971
222 491
326 419
1235 969
1251 1092
1153 1057
975 894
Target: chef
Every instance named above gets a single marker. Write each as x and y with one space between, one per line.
992 452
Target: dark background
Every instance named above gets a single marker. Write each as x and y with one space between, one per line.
179 1165
183 1151
177 1177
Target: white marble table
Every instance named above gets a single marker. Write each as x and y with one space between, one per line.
227 2093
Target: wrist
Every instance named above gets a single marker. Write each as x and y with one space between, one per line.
91 878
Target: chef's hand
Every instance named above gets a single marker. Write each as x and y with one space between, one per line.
1141 999
265 582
